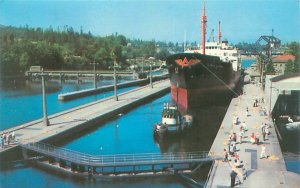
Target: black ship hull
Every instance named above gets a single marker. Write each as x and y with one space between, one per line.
198 80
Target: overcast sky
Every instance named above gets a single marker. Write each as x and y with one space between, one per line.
241 20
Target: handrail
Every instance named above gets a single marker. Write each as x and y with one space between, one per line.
114 160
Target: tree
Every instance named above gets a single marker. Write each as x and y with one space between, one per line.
117 53
101 56
297 64
294 48
162 54
270 68
293 66
289 67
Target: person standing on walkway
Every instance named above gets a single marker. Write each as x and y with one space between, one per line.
234 137
252 138
1 142
4 138
225 155
267 129
244 126
264 135
13 135
236 156
233 174
7 138
247 112
262 127
234 120
241 135
263 152
257 138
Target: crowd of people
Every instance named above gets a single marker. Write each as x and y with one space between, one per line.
7 138
231 152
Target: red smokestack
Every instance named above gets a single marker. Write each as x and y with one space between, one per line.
204 20
219 34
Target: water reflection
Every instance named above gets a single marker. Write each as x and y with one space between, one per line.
197 138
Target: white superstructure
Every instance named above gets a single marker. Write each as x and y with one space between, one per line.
226 53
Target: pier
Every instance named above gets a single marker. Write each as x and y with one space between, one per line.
93 91
83 75
122 165
253 168
63 124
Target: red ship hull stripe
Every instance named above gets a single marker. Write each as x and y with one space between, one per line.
182 96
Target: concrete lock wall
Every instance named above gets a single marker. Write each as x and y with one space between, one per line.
282 86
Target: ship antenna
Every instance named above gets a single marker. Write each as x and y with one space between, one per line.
184 41
219 34
204 20
177 94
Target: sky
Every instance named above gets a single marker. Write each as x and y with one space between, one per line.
160 20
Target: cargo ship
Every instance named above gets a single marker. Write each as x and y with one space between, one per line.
203 75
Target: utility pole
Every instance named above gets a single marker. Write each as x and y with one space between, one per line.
95 75
270 100
45 119
151 84
115 81
142 64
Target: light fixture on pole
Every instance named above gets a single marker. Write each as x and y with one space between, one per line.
270 100
115 76
151 84
95 75
115 82
45 118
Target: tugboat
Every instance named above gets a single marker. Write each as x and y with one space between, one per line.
172 121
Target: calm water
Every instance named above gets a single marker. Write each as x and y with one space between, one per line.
247 63
22 102
132 135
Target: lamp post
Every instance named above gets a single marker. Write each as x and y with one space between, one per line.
142 64
45 119
270 100
115 81
95 75
151 84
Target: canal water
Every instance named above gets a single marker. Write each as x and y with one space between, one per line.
21 101
127 133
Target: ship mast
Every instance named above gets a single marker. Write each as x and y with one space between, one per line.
219 33
204 20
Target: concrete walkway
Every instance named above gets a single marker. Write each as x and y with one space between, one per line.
71 121
265 172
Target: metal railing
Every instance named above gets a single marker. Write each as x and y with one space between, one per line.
117 160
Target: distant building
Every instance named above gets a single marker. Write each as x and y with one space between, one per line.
280 61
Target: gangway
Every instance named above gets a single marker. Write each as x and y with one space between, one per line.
128 164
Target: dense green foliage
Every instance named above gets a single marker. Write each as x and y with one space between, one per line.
68 49
293 66
270 68
248 48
